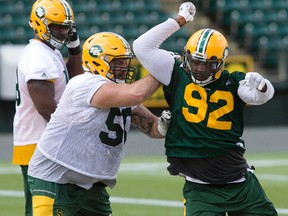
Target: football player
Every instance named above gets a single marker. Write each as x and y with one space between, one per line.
42 75
203 142
80 151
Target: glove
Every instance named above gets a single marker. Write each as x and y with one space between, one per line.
187 10
164 122
253 80
175 55
74 42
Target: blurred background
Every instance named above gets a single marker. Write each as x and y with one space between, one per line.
256 30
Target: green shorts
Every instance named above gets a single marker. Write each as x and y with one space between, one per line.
54 199
27 194
238 199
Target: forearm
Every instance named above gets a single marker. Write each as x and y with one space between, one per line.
145 121
180 20
121 95
74 65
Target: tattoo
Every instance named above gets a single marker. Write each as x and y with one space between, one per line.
143 119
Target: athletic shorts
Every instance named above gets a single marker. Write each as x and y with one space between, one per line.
27 194
52 199
238 199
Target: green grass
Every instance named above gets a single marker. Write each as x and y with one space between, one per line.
151 181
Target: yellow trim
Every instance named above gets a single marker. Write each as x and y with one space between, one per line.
185 210
23 154
42 205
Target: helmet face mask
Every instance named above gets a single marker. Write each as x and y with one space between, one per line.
121 71
58 35
109 55
49 16
204 56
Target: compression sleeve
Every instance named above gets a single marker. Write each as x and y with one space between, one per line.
157 61
254 96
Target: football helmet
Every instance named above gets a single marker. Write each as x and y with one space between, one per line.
47 12
204 56
109 55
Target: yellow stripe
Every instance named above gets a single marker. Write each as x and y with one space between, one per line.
42 205
185 213
23 154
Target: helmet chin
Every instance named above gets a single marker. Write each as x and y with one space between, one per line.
202 82
57 44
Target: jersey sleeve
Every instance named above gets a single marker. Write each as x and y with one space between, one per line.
39 66
253 96
83 87
96 82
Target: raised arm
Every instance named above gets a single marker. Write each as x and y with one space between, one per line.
74 63
157 61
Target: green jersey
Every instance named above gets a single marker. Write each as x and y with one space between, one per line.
206 121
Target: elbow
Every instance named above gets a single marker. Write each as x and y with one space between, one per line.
137 97
140 98
45 115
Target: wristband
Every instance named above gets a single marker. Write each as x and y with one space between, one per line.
162 130
74 51
74 44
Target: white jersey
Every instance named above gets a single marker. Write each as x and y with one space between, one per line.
82 138
37 62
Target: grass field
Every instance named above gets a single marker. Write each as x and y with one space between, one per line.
144 187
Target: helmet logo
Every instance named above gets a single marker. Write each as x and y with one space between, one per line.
40 12
226 53
95 51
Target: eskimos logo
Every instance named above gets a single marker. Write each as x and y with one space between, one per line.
95 51
40 12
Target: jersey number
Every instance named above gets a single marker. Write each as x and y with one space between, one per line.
202 106
119 131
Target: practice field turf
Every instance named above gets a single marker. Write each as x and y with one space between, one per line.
144 187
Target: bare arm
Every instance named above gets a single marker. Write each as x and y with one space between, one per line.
42 93
112 94
74 65
180 20
145 121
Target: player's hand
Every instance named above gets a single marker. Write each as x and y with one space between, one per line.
253 80
187 10
164 122
74 42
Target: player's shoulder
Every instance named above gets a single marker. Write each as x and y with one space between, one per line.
86 78
37 50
